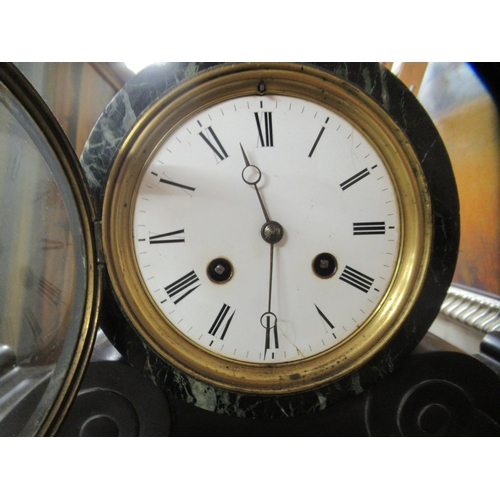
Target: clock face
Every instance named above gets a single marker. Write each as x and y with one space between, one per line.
197 224
267 230
41 278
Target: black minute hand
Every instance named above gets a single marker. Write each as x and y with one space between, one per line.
269 320
271 232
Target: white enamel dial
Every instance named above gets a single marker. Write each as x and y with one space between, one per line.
321 179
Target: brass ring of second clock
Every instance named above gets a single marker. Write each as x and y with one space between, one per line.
80 321
250 79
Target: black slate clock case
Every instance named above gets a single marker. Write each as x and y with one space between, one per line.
430 392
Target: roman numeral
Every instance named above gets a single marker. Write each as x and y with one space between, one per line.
360 228
271 335
356 279
355 178
326 320
221 323
34 326
52 244
266 135
217 148
167 238
49 291
176 184
317 139
186 284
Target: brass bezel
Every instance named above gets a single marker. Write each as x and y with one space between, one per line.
235 80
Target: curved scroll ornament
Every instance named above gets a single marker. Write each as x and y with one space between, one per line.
436 394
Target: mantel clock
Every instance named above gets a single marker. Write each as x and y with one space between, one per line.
266 237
